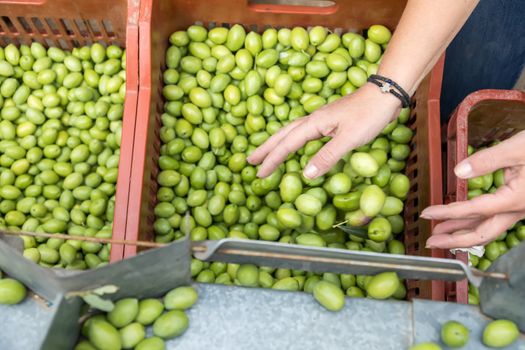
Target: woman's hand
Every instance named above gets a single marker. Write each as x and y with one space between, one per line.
482 219
351 121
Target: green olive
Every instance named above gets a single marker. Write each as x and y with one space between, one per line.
310 239
383 285
379 34
11 291
180 298
248 275
329 295
425 346
299 38
171 324
500 334
454 334
153 343
372 200
149 311
364 164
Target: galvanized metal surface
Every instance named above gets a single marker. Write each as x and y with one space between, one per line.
428 316
148 274
336 260
152 272
228 318
243 318
24 326
239 318
64 328
38 279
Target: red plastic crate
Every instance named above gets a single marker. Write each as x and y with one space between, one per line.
482 117
158 19
74 23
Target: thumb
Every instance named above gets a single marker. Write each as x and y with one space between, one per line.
327 157
488 160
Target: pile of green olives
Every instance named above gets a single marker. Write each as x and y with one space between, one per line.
60 134
125 327
226 91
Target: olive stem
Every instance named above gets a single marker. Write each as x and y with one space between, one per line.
86 239
340 223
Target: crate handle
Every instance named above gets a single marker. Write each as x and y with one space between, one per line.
23 2
299 7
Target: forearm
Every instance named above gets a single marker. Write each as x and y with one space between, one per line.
425 30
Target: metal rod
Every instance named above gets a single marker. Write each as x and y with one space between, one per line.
303 258
387 266
86 239
495 275
198 248
338 261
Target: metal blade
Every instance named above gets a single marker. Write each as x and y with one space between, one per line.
504 299
335 260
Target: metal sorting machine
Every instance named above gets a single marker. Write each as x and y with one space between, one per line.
152 273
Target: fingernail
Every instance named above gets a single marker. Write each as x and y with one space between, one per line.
424 214
463 170
429 244
310 171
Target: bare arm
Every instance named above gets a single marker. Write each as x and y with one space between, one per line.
424 31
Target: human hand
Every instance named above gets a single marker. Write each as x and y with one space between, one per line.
351 121
482 219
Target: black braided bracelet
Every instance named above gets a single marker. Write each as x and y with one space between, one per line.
388 85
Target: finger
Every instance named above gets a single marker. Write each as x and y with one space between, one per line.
505 154
450 226
328 156
262 151
294 140
510 174
503 200
486 231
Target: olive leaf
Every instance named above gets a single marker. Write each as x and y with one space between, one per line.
356 231
97 302
107 289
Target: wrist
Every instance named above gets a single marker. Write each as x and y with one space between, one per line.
406 82
388 86
374 91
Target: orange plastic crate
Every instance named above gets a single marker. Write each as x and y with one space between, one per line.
73 23
158 19
482 117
